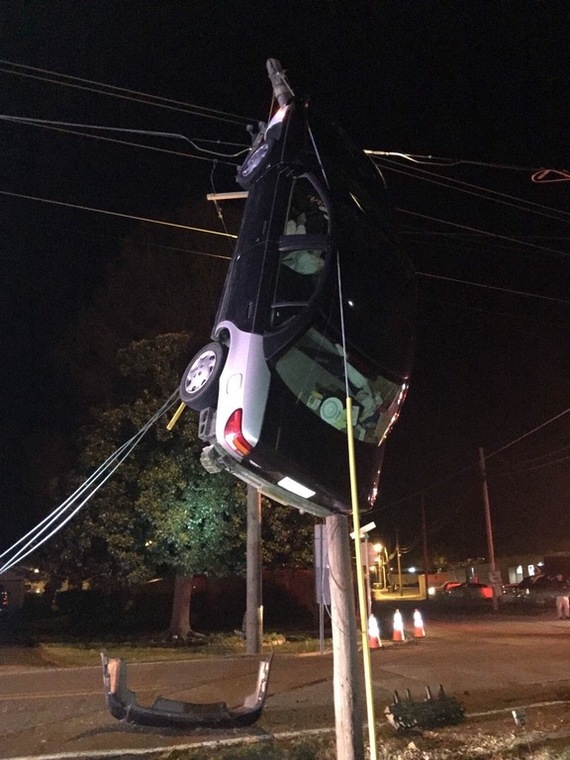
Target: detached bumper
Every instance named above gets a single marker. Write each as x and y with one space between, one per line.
170 713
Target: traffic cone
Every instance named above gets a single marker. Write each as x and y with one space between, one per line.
398 627
374 641
419 630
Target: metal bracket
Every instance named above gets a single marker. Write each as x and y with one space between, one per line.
406 714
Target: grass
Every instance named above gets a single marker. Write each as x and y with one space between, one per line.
76 654
439 745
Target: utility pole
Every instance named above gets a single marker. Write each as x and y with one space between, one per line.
254 600
489 528
399 564
424 541
347 703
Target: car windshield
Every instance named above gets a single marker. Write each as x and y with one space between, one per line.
313 369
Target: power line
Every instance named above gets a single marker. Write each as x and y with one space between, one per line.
60 126
18 69
493 287
526 435
440 161
481 192
60 516
455 236
117 214
234 237
67 80
482 232
137 242
475 464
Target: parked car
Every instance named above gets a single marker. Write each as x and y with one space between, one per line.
542 589
446 587
471 590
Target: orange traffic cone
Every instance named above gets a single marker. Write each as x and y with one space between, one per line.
419 630
398 627
374 641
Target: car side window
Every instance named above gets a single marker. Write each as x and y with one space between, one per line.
303 248
307 212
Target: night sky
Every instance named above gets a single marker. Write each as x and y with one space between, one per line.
484 82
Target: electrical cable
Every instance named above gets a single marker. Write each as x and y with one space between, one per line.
439 161
227 258
492 287
546 464
216 204
59 127
541 177
232 236
461 471
156 100
525 435
67 80
32 541
485 233
118 214
484 192
130 144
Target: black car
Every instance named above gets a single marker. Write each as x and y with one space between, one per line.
317 308
543 588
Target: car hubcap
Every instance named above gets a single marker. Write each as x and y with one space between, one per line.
200 372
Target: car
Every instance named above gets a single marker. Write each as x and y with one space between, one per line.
443 588
448 585
471 590
542 589
316 317
4 599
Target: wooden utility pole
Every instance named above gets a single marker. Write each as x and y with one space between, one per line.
399 561
489 528
347 703
254 601
424 541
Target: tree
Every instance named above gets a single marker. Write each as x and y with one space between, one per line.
161 511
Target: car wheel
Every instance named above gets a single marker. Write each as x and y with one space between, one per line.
199 386
253 165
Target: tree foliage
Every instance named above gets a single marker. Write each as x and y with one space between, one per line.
160 511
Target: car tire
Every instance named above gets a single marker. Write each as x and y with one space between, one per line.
200 382
253 165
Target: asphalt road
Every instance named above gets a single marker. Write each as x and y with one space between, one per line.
486 661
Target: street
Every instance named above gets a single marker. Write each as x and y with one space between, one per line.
486 661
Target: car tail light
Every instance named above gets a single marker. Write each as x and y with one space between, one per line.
234 436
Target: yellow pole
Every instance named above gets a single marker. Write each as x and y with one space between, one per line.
363 607
176 417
